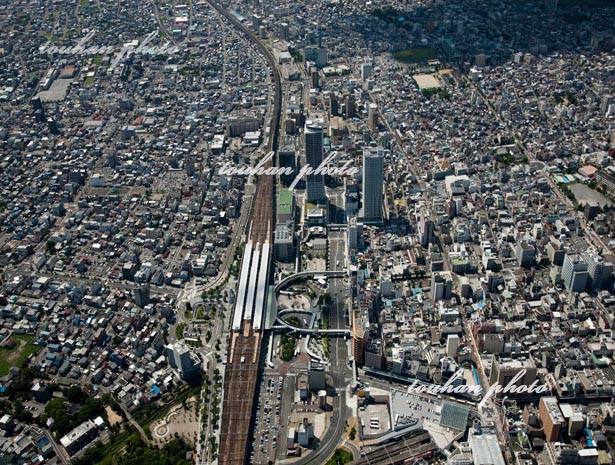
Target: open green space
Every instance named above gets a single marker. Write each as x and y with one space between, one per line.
64 422
340 457
287 348
415 55
134 451
15 356
153 411
388 14
50 37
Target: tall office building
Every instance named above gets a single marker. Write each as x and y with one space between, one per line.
283 242
316 54
574 273
179 358
373 179
285 31
141 295
355 233
551 417
526 254
350 106
334 106
316 376
52 125
452 345
504 370
441 288
426 229
373 117
189 166
36 103
286 159
313 157
600 272
366 71
257 22
314 77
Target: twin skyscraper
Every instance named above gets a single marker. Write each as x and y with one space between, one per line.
372 174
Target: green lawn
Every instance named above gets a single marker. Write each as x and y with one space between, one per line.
389 14
17 355
415 55
340 457
89 81
98 60
50 37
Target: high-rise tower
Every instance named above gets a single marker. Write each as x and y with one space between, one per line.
373 178
179 358
313 156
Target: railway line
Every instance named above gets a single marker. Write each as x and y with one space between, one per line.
243 364
240 379
403 451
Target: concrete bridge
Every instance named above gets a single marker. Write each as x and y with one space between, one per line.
304 274
281 325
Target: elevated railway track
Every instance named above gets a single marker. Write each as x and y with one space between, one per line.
242 369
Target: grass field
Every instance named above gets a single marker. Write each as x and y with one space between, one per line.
50 37
415 55
341 456
17 355
89 81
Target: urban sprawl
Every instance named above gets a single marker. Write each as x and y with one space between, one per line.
285 232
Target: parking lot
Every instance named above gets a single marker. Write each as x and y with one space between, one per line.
267 429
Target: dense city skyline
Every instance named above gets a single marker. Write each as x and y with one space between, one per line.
277 232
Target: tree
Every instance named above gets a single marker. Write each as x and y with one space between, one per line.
56 409
353 433
21 413
75 394
51 247
91 408
340 457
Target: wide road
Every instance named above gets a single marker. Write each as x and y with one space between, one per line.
338 354
160 22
